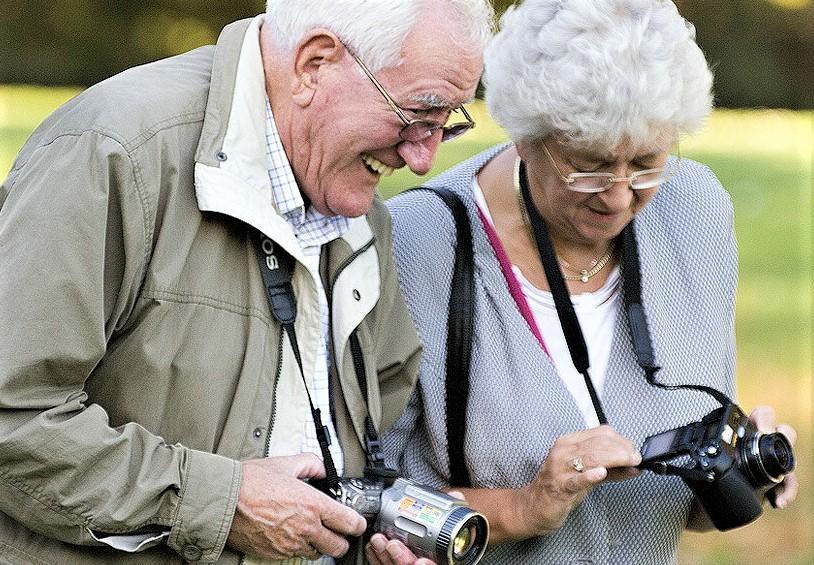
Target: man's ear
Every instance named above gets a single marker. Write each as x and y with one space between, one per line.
312 57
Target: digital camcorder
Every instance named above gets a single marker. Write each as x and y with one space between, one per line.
732 465
429 522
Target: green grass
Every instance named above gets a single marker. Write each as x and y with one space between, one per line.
764 159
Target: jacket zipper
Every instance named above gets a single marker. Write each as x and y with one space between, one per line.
273 414
358 363
351 259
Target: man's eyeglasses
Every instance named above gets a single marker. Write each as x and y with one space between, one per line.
600 182
418 129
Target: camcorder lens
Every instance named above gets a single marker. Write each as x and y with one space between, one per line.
469 541
464 541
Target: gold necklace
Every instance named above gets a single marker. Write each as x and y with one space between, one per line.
582 275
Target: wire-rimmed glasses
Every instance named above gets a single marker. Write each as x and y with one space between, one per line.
418 129
600 182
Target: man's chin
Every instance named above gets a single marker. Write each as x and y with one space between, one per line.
352 206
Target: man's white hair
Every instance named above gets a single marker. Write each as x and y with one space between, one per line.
375 29
597 72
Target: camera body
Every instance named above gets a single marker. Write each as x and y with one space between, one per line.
731 464
429 522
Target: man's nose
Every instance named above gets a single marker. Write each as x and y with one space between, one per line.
420 155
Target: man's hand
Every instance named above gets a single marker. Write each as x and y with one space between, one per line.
279 516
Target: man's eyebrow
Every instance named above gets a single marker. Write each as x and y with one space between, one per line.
433 100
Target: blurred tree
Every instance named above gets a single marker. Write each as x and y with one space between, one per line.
81 42
761 49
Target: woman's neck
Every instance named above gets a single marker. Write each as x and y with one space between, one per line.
496 182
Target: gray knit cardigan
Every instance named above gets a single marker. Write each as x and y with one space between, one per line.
518 405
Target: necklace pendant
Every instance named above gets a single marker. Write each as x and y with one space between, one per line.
584 276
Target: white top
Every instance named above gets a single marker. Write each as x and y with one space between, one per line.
596 312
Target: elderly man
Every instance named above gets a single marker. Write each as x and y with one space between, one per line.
152 410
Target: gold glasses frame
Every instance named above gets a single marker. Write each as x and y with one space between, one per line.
640 180
417 130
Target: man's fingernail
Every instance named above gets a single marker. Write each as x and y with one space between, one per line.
378 543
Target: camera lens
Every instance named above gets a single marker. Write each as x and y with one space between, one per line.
467 540
768 458
463 541
775 452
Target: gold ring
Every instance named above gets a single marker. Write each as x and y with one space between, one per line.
576 463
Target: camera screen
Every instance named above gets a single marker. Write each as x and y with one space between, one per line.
659 446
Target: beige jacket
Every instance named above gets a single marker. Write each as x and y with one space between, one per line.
138 360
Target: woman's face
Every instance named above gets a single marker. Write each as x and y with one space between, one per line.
588 219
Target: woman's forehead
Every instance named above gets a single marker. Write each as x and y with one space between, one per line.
625 150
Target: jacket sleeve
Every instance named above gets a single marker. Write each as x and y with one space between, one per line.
74 241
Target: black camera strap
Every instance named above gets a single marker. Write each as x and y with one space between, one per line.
373 445
637 319
634 309
276 266
562 301
460 325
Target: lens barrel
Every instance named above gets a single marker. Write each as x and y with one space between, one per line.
462 538
432 524
767 458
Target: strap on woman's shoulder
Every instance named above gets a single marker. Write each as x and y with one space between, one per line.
459 336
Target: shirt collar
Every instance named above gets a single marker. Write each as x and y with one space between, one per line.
311 227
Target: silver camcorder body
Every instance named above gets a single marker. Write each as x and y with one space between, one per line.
429 522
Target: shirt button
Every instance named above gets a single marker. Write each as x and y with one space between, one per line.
357 295
191 552
258 432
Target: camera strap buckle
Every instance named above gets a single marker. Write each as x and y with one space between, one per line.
374 450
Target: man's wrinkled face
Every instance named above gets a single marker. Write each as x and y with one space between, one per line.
354 133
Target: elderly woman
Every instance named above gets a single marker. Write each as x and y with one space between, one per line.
594 94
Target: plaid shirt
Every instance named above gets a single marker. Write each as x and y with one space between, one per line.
312 230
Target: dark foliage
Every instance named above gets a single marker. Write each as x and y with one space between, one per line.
761 51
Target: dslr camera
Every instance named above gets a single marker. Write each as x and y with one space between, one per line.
731 464
429 522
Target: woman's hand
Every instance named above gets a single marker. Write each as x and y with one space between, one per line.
382 551
576 463
764 419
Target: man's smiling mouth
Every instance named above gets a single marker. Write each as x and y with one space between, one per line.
376 167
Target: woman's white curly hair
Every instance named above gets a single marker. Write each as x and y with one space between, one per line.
597 72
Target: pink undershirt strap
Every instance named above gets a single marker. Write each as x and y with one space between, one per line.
515 289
